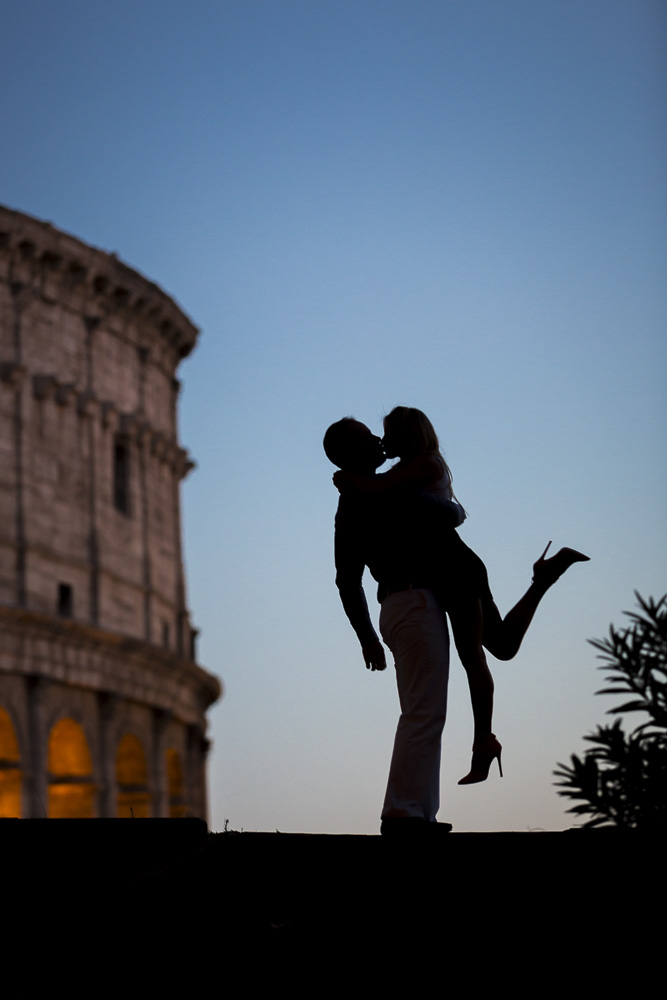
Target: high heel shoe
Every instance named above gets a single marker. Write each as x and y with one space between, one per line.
547 571
483 755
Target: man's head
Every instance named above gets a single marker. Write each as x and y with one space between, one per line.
351 446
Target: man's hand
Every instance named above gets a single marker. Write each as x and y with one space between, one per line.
374 656
340 480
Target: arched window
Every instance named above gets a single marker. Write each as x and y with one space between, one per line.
71 788
10 769
132 779
177 805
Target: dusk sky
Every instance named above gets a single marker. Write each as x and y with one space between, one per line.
457 205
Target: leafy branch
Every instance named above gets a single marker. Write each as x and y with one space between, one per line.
621 780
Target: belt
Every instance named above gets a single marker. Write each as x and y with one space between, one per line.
397 588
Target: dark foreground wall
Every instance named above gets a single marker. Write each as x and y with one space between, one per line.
193 914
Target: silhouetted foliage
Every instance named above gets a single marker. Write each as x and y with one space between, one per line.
622 780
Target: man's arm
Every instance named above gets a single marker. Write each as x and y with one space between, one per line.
419 472
449 513
452 512
350 564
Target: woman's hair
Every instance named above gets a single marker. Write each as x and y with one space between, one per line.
411 431
413 434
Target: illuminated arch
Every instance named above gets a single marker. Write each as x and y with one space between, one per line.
70 767
177 805
10 769
132 779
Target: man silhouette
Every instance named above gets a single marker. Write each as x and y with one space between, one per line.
394 538
406 541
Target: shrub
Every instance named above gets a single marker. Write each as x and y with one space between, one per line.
622 780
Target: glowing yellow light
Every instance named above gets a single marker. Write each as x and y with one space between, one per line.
71 789
10 769
132 779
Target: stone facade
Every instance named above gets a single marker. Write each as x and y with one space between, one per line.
102 705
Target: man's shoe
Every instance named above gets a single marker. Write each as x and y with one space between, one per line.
412 826
437 829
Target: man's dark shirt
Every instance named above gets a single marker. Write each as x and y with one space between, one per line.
402 540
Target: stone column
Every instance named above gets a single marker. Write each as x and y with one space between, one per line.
197 750
88 404
142 460
37 785
159 764
21 299
108 794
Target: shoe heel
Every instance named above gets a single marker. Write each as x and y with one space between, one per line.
483 755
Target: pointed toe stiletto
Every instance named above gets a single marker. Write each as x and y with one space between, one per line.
547 571
483 755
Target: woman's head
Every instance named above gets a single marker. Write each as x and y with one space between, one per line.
408 432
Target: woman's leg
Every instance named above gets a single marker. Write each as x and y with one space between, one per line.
503 636
468 628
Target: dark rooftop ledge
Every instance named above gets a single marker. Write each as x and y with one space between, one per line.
183 855
166 904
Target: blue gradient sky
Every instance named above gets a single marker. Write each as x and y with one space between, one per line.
452 204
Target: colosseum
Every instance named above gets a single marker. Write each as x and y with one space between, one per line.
102 703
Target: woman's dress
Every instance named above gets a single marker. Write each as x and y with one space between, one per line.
464 576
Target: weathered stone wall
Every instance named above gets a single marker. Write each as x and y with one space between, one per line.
89 352
90 469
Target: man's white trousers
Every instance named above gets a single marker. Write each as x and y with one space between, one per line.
415 630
